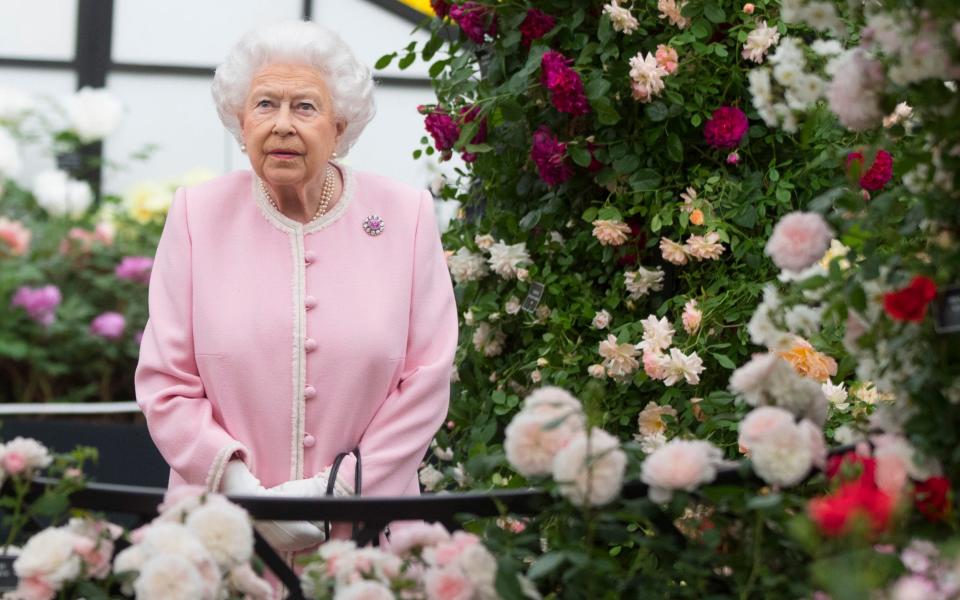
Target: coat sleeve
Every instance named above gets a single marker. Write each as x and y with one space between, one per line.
399 434
169 390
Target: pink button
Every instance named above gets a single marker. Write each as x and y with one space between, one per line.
309 256
309 441
309 392
309 302
310 344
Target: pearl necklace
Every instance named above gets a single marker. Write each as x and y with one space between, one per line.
325 195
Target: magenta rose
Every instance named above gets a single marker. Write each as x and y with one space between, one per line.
550 156
475 20
535 25
442 128
109 326
40 303
135 268
565 85
441 8
726 128
879 173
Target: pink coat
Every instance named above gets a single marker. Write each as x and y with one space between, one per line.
285 343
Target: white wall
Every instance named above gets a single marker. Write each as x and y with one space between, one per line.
176 112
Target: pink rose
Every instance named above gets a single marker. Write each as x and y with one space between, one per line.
135 268
748 8
417 535
447 584
109 326
679 465
666 58
13 462
798 241
14 236
40 303
35 588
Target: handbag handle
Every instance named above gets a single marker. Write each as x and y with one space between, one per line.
334 470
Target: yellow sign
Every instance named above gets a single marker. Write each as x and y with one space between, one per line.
421 5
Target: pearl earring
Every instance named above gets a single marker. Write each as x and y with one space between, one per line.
243 148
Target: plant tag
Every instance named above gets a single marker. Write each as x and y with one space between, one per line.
532 300
8 579
946 311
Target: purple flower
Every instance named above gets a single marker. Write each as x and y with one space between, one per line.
135 268
565 85
535 25
726 127
109 325
440 7
550 156
475 20
40 303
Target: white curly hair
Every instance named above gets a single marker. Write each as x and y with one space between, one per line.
301 42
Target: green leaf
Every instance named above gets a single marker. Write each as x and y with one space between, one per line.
590 215
50 505
580 155
714 13
547 563
609 213
384 61
431 47
656 111
655 223
764 502
606 113
674 148
626 165
437 68
406 61
597 88
700 30
724 361
645 180
530 219
478 148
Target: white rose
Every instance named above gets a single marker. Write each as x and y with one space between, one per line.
589 470
479 565
466 266
49 556
245 580
430 477
225 530
680 465
174 538
601 320
546 424
93 114
364 590
170 577
59 195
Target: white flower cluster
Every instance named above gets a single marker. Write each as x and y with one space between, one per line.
57 556
917 54
22 457
466 266
759 42
506 259
424 561
92 114
549 436
60 195
768 380
789 88
819 15
663 363
199 547
781 450
641 282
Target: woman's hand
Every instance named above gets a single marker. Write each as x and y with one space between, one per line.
281 535
312 487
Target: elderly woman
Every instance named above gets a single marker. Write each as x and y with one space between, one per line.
301 309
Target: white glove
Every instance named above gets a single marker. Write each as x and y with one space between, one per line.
312 487
281 535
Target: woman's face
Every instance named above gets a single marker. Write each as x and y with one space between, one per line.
288 124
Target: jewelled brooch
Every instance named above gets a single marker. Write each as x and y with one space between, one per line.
373 225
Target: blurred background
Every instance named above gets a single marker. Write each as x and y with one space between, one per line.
158 58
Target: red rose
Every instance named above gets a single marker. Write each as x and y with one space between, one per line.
910 303
535 25
858 500
444 131
726 127
879 172
565 85
851 467
932 498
